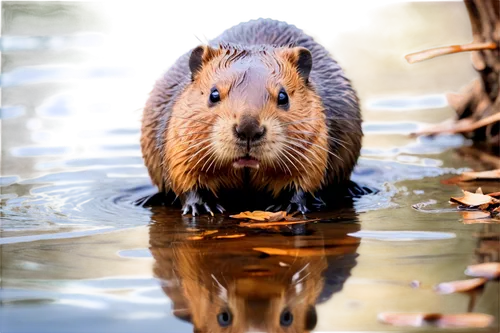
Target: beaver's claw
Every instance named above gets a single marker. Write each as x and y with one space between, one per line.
193 201
297 203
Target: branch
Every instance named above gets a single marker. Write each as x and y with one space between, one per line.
439 51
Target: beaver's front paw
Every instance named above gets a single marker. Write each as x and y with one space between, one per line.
298 202
197 203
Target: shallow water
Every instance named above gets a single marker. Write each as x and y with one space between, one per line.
77 255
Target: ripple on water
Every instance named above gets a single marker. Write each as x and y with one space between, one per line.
135 253
116 148
8 180
87 198
31 43
9 112
421 146
40 151
126 131
390 127
59 106
408 103
61 73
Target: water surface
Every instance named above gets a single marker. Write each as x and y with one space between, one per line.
77 255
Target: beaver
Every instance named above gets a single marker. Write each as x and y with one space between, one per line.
262 106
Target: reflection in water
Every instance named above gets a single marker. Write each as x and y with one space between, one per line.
30 75
216 284
408 103
49 43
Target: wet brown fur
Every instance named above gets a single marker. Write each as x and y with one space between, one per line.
198 144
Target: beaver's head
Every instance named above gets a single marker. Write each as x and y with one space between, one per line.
250 108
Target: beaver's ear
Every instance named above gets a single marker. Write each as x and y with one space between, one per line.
302 59
200 56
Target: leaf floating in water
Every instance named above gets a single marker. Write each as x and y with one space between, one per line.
274 224
489 270
478 216
230 236
474 199
482 175
202 235
494 195
304 252
268 219
466 320
259 215
459 286
475 215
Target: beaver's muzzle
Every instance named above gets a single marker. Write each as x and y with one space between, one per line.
249 130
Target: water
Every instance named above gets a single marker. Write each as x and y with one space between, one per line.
78 255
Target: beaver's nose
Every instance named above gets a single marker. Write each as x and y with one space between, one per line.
249 129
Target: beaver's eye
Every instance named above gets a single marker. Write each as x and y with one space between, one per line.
224 318
286 318
214 96
282 98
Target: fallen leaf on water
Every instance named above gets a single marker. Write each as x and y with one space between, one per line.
302 252
459 286
230 236
259 215
481 175
475 215
468 320
487 270
474 199
264 216
478 216
289 252
271 224
202 235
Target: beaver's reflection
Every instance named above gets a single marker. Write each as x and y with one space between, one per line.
227 285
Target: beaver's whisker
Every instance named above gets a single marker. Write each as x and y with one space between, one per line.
298 152
285 155
210 165
329 137
281 162
320 118
209 158
312 152
188 134
210 151
316 145
300 121
340 142
184 151
191 119
199 151
198 143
